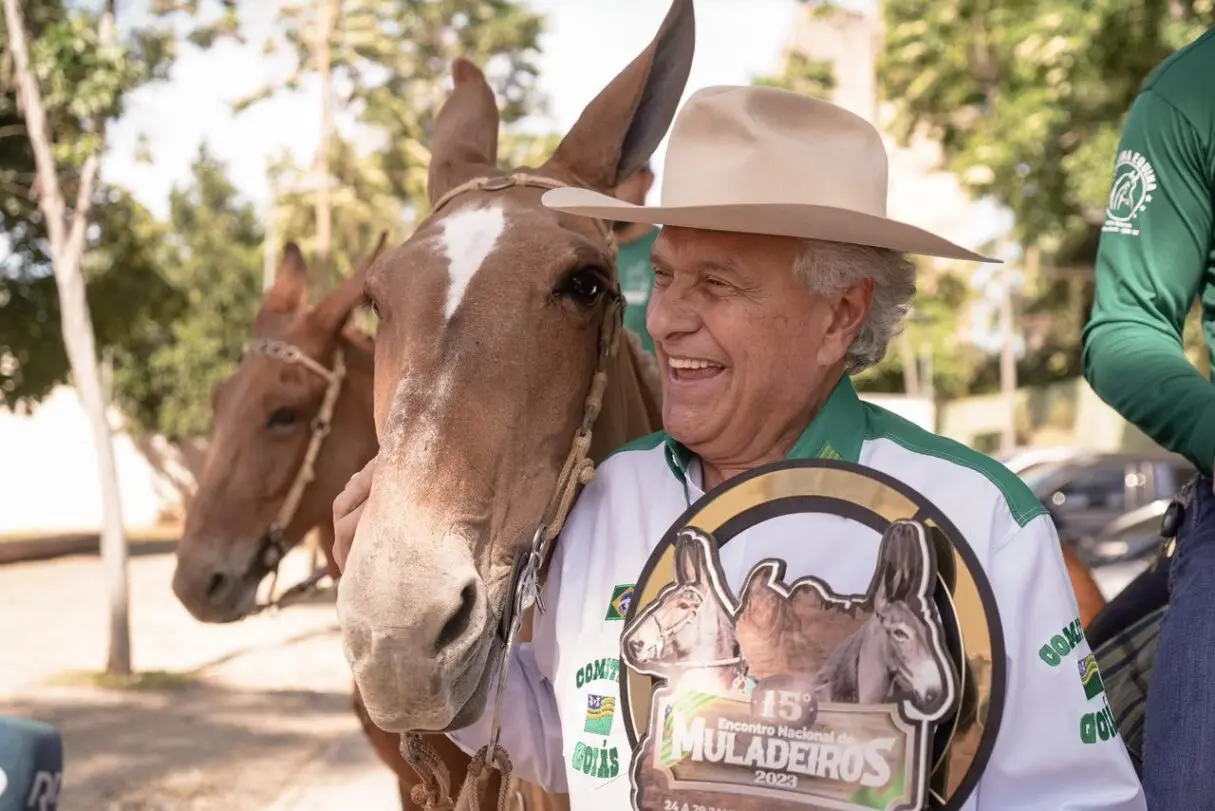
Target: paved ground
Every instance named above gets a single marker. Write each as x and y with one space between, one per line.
264 725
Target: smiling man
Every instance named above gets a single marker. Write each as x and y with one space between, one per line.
777 277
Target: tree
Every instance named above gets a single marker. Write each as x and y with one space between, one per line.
391 61
66 232
802 74
163 375
76 93
126 291
1027 97
1027 100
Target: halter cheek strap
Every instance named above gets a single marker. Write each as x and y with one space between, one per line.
274 547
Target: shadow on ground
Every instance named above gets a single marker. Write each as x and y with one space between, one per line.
197 747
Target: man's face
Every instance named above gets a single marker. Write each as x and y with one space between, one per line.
745 348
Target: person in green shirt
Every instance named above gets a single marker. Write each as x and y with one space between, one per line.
633 264
1156 256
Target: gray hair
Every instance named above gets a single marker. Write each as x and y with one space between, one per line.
828 268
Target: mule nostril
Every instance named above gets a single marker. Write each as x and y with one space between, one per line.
215 586
636 645
457 624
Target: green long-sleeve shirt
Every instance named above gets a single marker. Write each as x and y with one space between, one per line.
1157 254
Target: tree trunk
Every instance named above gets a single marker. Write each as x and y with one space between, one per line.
326 13
67 251
911 371
269 243
1008 358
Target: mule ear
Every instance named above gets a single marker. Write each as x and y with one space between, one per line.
466 132
687 558
620 129
903 557
290 289
335 308
757 590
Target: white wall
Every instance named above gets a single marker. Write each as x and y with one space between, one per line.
920 410
48 472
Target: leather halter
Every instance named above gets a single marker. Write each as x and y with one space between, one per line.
274 546
523 589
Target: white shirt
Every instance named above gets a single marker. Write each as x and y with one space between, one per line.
1048 753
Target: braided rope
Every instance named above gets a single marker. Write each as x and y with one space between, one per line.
473 790
434 792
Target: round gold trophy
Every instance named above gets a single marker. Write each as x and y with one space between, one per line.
811 635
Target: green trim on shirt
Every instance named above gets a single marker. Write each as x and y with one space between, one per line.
846 422
1021 501
642 443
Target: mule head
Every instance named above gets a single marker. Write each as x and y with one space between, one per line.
262 426
686 615
904 608
491 316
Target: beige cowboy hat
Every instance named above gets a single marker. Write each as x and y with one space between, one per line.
758 160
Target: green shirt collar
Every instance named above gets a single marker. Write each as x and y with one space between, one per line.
836 432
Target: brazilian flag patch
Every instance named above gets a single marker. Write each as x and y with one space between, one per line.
618 606
1090 677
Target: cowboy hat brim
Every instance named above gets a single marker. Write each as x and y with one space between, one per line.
802 221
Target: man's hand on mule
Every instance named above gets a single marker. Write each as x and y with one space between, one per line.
347 508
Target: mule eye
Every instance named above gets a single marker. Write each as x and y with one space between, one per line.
900 634
583 287
282 418
370 304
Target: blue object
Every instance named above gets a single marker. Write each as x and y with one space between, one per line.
31 765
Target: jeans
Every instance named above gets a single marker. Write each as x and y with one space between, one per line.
1179 734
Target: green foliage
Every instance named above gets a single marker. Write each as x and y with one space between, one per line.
83 86
391 66
362 199
930 335
801 74
1027 97
164 371
1027 100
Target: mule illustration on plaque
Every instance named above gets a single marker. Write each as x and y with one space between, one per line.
791 696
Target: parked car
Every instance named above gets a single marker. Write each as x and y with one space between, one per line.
1132 537
1088 493
1020 460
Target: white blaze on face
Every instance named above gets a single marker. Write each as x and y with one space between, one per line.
469 237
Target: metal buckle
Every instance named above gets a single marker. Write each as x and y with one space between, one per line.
273 553
498 183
